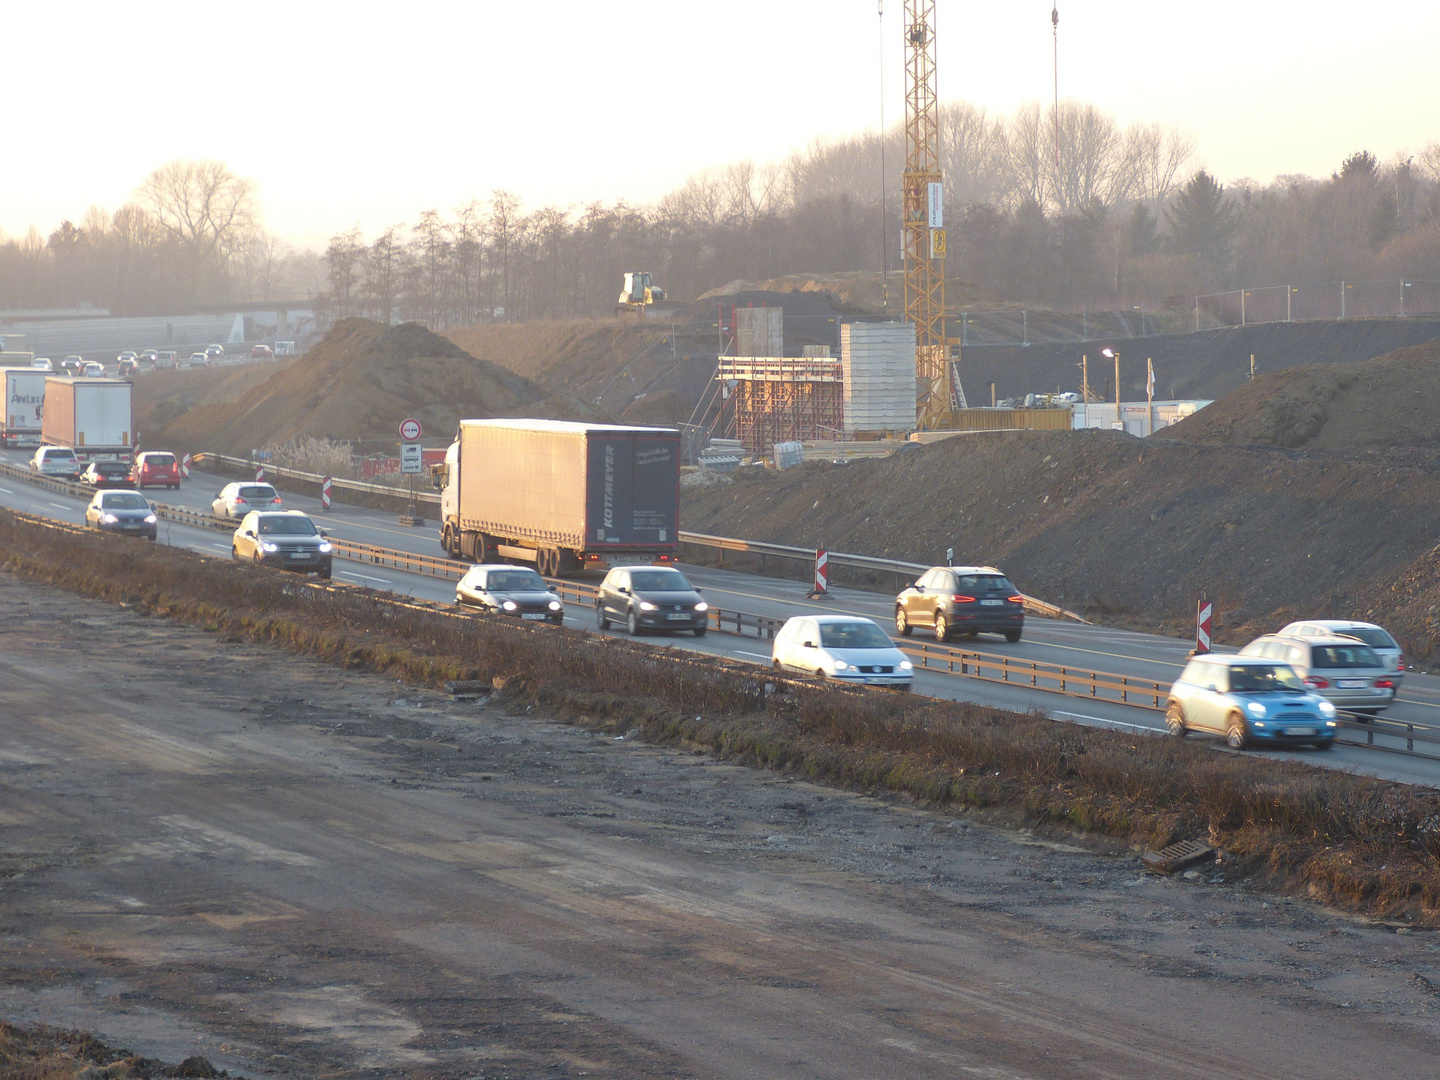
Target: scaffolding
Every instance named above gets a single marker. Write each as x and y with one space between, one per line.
782 399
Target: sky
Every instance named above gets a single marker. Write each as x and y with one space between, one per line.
365 114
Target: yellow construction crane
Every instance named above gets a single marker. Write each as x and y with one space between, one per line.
940 392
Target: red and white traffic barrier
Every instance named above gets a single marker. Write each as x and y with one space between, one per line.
822 572
259 473
1204 620
185 466
325 494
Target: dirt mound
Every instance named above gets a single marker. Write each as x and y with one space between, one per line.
1128 530
160 397
1388 401
664 407
358 383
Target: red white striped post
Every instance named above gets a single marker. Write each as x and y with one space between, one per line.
325 494
1204 619
185 466
259 473
822 573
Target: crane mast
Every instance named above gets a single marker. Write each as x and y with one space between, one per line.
923 209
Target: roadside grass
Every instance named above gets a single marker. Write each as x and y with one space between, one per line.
1366 845
40 1052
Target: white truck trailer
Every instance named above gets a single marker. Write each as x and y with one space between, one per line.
24 389
91 416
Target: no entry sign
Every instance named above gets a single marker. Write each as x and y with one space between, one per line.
410 429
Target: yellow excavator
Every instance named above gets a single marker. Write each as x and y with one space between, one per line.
642 297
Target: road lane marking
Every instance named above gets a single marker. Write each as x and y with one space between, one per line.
60 506
758 656
1060 715
364 577
7 491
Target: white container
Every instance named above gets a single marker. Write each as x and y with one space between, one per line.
878 365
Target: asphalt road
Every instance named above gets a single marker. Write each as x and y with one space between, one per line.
1075 645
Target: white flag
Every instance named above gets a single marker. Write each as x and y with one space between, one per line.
1149 378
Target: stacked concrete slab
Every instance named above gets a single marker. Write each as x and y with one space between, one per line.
878 361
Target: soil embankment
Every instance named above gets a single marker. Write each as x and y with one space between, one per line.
1127 530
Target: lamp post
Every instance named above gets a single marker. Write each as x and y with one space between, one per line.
1115 355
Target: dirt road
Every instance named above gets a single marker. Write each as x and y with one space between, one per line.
215 848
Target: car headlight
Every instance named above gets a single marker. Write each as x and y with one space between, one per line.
1326 708
266 545
555 605
906 665
109 519
1329 723
841 665
150 519
1255 709
324 549
702 606
509 605
645 605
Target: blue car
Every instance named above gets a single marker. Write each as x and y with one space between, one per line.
1251 701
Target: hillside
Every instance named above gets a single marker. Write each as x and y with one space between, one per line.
358 384
1388 401
1128 530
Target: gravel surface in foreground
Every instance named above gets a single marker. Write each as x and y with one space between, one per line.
215 848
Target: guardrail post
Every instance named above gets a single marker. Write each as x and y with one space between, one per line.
1410 738
1370 733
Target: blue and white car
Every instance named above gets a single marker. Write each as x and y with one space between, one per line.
845 648
1251 701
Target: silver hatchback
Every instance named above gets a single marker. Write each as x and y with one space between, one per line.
1343 670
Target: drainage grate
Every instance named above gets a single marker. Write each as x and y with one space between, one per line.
1177 856
463 688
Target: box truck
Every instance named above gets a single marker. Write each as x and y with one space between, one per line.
91 416
24 405
559 494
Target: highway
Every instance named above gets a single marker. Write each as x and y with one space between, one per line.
1074 645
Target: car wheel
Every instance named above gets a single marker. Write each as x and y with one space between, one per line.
1175 721
942 627
632 623
1235 735
325 575
902 622
700 631
1326 745
600 620
776 666
1012 636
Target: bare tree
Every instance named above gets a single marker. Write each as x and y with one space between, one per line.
205 207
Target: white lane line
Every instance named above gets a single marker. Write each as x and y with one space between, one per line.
60 506
758 656
364 577
222 547
1059 715
7 491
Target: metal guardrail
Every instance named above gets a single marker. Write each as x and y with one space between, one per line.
1037 674
280 472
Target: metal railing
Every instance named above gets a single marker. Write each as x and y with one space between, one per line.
1037 675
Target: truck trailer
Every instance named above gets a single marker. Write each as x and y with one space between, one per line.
562 495
24 405
91 416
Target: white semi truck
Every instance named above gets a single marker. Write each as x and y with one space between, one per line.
24 406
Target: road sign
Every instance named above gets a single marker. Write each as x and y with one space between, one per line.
325 494
185 466
259 473
822 572
412 457
1204 616
410 430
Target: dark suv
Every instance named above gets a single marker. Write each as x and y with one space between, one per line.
962 600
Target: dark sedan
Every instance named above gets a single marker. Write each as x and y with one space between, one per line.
651 598
106 474
122 512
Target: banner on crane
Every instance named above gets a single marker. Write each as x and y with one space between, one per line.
936 193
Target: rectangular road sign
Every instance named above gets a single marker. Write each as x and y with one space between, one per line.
412 457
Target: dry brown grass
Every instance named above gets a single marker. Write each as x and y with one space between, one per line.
1368 845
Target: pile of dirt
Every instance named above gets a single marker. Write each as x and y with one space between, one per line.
1128 530
358 384
159 397
1388 401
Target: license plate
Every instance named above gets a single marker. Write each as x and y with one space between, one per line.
991 603
1351 684
1299 731
678 616
301 555
533 615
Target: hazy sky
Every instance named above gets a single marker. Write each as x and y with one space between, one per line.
366 113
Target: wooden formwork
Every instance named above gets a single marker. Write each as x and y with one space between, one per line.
782 399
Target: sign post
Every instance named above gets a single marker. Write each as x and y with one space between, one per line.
412 461
822 573
1204 622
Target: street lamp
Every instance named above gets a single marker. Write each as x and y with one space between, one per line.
1115 355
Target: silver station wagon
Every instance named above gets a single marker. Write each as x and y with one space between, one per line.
1344 670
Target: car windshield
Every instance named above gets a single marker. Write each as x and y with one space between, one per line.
112 468
163 461
515 581
299 525
983 583
256 491
853 635
1343 656
1370 635
60 455
1260 678
125 500
659 581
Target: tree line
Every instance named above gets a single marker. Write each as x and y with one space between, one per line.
1045 208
